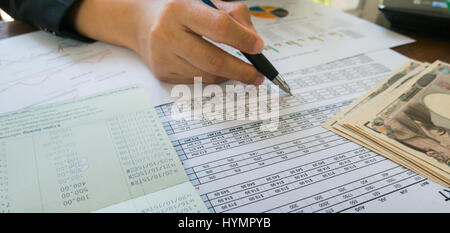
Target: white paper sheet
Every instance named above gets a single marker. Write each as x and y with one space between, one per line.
91 153
314 34
302 167
180 198
38 68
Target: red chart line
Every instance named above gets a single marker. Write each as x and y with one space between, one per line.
100 59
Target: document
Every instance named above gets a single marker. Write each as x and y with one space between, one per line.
302 167
50 69
89 154
180 198
313 33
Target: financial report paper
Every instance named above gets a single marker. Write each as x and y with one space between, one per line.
313 34
92 153
301 167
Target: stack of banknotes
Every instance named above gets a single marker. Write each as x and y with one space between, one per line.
405 118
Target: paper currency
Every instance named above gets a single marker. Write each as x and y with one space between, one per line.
396 79
406 118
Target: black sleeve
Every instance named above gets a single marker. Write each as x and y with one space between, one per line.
48 15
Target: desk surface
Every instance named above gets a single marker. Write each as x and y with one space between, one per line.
427 48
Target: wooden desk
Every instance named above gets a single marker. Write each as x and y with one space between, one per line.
427 48
10 29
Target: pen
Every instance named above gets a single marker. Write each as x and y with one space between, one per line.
263 65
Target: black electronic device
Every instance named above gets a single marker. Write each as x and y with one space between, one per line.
419 15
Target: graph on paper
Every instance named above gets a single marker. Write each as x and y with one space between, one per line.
313 34
58 69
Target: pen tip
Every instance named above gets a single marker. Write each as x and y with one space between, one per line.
279 81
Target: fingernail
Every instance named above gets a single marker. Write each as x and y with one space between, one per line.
258 81
259 46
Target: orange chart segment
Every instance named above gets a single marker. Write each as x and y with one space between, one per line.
268 12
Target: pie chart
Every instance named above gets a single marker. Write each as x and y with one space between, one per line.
268 12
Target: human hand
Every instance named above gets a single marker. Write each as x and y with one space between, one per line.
169 39
168 35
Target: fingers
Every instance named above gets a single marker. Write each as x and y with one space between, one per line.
238 11
220 27
175 78
174 48
215 61
185 69
179 71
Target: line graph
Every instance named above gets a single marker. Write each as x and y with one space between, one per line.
96 59
60 49
49 69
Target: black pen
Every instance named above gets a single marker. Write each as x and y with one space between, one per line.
263 65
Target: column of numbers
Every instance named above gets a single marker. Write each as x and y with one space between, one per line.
4 201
